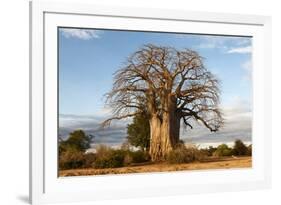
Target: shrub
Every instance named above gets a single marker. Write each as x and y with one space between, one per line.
208 151
177 156
223 150
71 159
139 156
109 158
184 154
89 159
239 148
128 159
102 151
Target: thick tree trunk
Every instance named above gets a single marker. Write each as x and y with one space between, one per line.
164 134
155 149
170 128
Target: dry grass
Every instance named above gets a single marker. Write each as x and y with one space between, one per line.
210 163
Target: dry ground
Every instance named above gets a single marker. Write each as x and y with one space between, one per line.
211 163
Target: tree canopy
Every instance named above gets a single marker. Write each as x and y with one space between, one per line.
77 141
174 86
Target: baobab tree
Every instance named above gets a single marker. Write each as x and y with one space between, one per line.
171 86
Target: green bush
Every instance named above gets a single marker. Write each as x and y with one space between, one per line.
222 151
183 154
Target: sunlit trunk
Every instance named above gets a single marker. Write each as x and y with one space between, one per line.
170 127
164 132
155 149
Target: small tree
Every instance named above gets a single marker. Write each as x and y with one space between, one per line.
139 132
77 141
72 151
240 148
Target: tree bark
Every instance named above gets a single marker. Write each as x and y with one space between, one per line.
164 134
155 149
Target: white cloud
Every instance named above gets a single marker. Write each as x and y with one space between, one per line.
246 49
84 34
244 41
226 44
212 42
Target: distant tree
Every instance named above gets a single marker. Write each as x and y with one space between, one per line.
77 141
249 152
223 150
139 132
240 148
209 151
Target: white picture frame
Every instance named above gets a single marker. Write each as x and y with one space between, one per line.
46 187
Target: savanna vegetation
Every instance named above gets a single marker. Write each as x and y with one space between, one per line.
73 155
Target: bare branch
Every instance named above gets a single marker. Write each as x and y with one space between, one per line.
213 124
187 123
108 121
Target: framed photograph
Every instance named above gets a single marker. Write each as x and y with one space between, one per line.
129 102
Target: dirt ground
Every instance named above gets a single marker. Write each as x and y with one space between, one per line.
210 163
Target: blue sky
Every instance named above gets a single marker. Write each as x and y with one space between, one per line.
87 63
88 58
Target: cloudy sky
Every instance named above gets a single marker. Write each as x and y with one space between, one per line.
88 58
